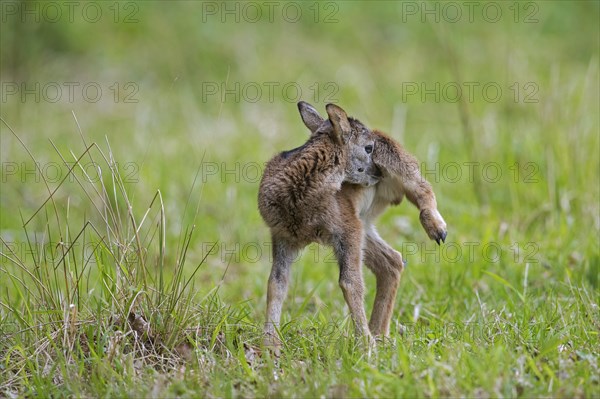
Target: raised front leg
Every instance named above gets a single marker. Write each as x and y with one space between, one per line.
405 179
419 192
348 250
283 256
386 263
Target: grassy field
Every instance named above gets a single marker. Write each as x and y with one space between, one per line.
133 260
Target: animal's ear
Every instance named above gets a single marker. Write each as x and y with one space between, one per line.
310 116
339 120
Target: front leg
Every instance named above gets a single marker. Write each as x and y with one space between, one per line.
434 224
348 249
419 192
403 171
283 256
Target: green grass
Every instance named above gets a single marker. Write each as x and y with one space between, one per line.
149 278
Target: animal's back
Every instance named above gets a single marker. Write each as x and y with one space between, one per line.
295 194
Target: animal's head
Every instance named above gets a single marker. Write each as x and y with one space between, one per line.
349 132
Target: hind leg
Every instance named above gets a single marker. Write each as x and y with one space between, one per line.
283 256
386 263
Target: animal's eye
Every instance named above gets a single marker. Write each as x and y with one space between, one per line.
369 149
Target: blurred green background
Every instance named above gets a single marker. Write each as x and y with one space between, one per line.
182 88
498 100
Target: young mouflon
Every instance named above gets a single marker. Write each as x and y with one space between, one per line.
330 191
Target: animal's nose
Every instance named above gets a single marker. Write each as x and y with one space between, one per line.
361 170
